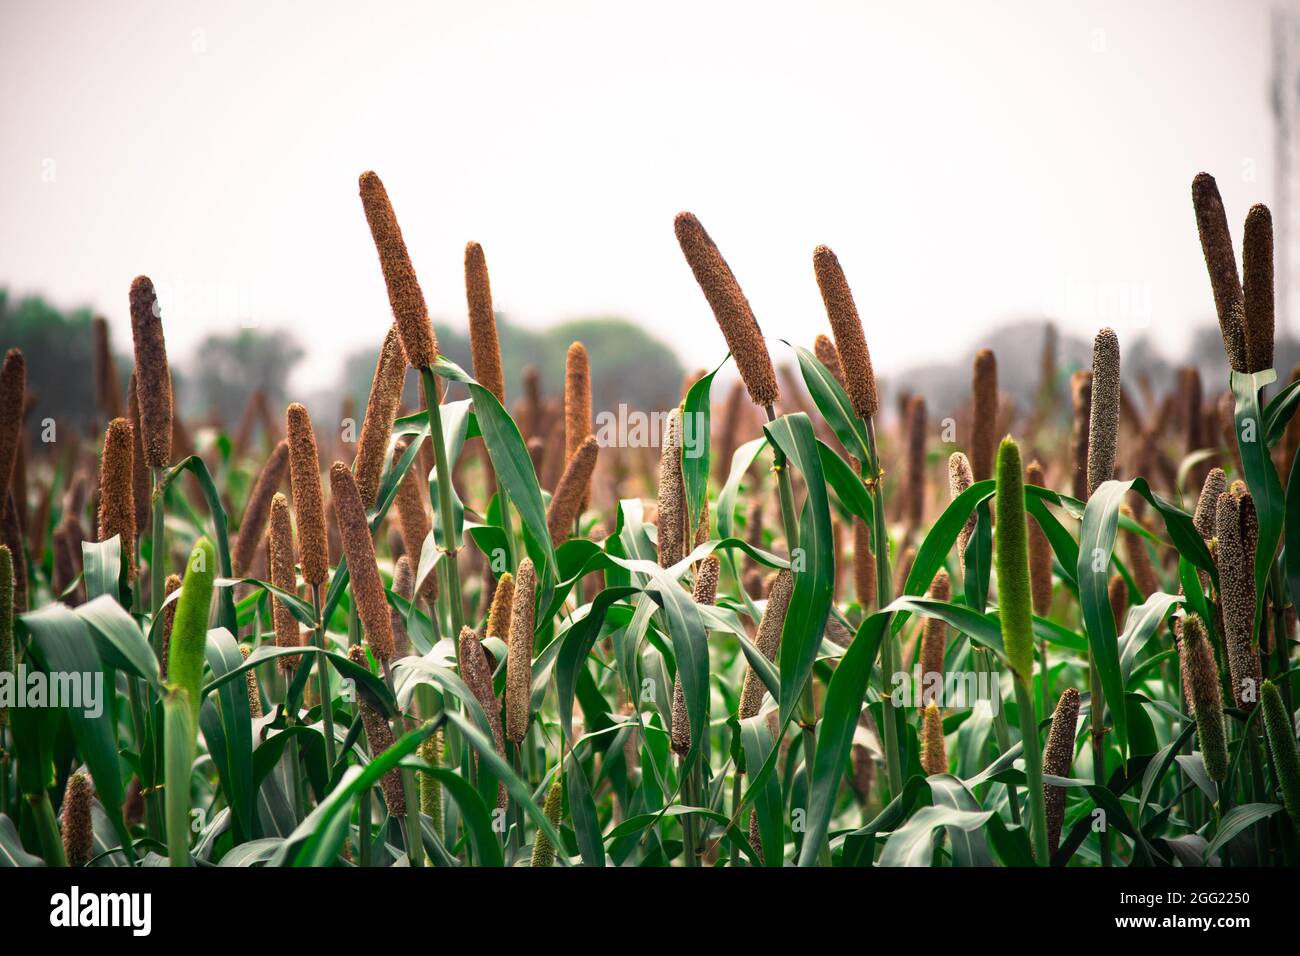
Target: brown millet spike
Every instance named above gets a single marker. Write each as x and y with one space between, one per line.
258 508
730 308
1257 287
140 483
1192 400
170 587
1058 756
1201 690
846 325
106 386
281 564
534 406
934 641
1139 560
671 520
403 585
916 429
519 659
116 494
1081 403
78 825
409 310
381 410
566 503
502 607
767 640
829 356
413 520
485 347
1216 483
359 549
1235 556
1040 552
154 379
477 675
1221 262
11 536
379 737
934 753
250 680
705 590
13 389
1103 419
960 477
1117 593
864 565
577 399
984 392
308 498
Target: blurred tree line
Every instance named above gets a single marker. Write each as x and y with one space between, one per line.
216 383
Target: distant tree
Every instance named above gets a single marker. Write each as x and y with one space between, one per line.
60 365
227 369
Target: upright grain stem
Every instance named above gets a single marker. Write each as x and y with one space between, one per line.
443 505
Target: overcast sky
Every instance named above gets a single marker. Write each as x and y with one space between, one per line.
969 162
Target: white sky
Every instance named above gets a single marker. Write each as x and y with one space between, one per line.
968 162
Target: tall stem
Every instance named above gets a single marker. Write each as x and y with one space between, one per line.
443 506
884 594
1096 707
323 682
157 564
47 828
1033 770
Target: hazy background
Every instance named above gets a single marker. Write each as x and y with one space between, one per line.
970 163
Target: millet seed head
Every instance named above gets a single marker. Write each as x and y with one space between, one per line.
78 825
1011 555
1040 551
485 347
767 640
934 641
1058 755
153 375
1257 287
258 508
13 389
829 356
1280 728
846 325
381 411
1103 421
308 498
960 477
671 523
571 491
141 485
359 549
705 590
519 659
411 314
1221 263
730 308
934 753
116 489
1200 676
1236 533
283 576
1081 411
1216 483
984 394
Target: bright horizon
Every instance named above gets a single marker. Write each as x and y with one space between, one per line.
969 166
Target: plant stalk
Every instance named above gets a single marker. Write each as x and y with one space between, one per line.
323 682
444 506
1033 771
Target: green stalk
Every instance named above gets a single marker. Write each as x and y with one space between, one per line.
735 813
1001 729
323 681
503 500
884 595
1096 708
688 820
444 507
1033 770
363 828
47 828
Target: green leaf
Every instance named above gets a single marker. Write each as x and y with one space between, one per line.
63 646
1261 475
913 843
832 401
1237 819
226 616
695 447
119 639
12 853
814 583
102 563
756 739
969 847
